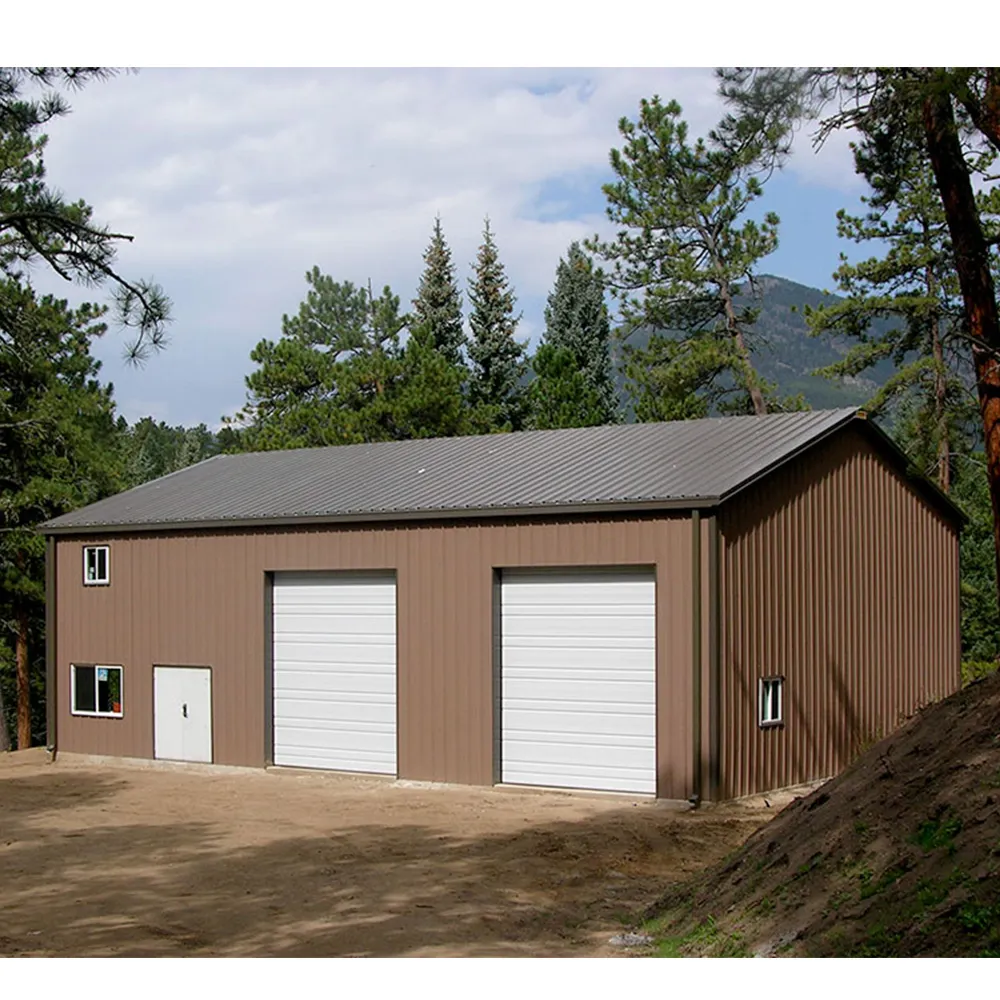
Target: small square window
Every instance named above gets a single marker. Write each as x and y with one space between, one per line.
96 569
770 701
96 690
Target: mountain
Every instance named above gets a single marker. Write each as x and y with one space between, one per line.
785 353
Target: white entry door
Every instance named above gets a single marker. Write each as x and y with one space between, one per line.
182 712
578 679
335 671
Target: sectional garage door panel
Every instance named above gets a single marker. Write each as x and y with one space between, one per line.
335 672
578 680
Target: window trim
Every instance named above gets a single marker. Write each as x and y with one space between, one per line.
107 566
73 710
779 722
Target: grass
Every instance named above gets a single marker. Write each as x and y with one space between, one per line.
704 939
880 942
931 892
940 832
893 874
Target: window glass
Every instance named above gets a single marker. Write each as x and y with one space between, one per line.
97 690
86 690
95 564
770 700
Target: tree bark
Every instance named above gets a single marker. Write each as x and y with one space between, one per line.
23 677
733 325
4 734
940 386
972 264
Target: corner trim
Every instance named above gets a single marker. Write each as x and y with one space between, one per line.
51 685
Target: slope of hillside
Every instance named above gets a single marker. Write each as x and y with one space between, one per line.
898 856
786 354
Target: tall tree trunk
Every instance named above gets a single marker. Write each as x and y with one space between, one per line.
972 264
750 373
940 388
23 677
4 734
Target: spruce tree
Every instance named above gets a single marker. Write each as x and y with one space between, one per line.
576 318
682 251
438 305
497 359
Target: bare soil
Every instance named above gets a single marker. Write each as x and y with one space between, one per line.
116 859
899 856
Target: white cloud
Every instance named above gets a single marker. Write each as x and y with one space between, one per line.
235 182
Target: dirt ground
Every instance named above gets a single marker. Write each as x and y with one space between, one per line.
899 856
116 859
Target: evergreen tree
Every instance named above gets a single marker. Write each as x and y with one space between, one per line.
57 452
326 380
683 249
438 305
979 609
576 318
945 116
428 399
497 358
37 225
339 375
913 282
560 394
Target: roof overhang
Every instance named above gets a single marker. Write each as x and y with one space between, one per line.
369 517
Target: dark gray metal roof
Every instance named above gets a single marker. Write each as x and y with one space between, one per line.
690 463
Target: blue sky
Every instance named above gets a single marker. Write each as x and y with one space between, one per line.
235 182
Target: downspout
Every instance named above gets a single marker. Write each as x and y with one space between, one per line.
51 688
714 659
695 797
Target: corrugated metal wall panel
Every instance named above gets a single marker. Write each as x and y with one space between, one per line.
837 576
198 600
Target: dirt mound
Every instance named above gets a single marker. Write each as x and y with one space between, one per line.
899 855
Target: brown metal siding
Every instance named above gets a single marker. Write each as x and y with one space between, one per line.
198 599
838 576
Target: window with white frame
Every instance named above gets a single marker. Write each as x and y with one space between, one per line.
96 569
96 690
770 701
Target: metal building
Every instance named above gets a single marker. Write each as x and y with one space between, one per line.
704 608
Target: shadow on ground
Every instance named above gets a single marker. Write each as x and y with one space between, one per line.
174 888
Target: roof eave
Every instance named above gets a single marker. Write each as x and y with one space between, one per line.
479 513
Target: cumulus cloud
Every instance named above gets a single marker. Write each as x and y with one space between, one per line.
234 183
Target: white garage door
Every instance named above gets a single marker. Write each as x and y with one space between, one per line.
335 672
578 680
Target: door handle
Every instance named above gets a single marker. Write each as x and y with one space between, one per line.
185 710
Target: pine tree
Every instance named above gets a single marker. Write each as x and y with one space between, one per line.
682 251
576 318
913 282
57 452
37 224
497 358
438 305
945 115
326 380
560 394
